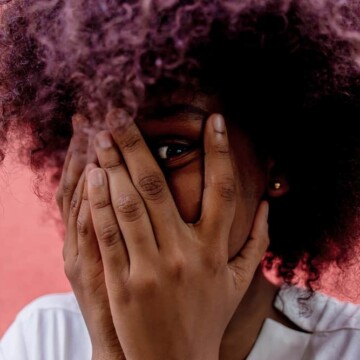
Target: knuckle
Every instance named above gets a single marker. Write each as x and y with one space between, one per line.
131 142
100 203
112 162
145 285
221 150
80 150
129 207
112 165
227 189
109 234
177 268
67 188
152 186
74 205
83 227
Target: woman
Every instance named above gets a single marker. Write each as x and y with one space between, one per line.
204 113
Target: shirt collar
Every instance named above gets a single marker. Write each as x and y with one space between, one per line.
313 314
318 312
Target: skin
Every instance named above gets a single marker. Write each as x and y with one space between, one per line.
94 259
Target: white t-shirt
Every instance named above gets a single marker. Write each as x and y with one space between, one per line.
52 328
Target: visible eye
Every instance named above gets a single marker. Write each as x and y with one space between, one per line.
168 151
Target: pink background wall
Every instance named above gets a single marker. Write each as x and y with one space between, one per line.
30 256
30 245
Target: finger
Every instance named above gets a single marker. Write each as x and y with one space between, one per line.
88 246
77 121
59 193
70 248
245 264
76 165
112 247
146 176
91 153
218 207
128 205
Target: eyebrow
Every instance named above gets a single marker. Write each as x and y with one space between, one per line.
162 113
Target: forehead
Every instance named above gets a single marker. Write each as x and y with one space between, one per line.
182 112
163 103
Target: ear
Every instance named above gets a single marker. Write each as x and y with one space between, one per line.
277 181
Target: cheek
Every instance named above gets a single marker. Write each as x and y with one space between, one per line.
186 186
242 224
251 186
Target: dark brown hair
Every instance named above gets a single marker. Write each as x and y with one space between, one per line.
286 70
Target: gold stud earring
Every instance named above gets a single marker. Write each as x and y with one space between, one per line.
277 185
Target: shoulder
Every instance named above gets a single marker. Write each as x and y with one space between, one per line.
334 325
43 325
319 312
62 303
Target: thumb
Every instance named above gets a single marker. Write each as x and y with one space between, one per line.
246 262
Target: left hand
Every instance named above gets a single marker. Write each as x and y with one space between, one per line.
171 287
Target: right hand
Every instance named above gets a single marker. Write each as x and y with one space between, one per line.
83 263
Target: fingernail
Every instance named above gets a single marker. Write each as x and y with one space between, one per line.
118 118
104 140
96 177
218 124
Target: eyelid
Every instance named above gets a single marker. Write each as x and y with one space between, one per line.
180 160
173 141
189 147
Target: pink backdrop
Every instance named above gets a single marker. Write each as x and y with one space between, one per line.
30 256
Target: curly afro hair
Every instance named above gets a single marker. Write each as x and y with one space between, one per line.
282 68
